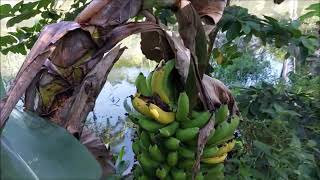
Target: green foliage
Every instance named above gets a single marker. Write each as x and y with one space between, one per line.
314 11
24 37
280 131
237 22
244 70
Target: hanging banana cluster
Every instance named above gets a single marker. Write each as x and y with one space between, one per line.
167 135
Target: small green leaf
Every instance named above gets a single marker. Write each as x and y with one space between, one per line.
309 15
233 31
246 28
44 4
307 43
24 16
121 153
27 7
6 40
16 7
5 11
315 7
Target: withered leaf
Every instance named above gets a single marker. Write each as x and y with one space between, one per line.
116 12
220 94
42 49
194 38
182 55
94 7
155 46
98 149
210 10
122 31
71 48
90 89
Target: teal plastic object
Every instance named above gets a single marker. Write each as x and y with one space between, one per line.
2 89
34 148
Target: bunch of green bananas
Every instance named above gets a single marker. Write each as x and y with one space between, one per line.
168 130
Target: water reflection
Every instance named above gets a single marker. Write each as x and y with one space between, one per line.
108 118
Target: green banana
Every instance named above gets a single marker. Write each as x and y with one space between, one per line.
162 172
141 84
178 174
186 153
155 153
172 158
186 164
172 143
149 78
221 114
169 130
216 172
149 124
192 142
222 141
210 151
144 141
134 117
187 134
146 161
140 105
200 120
136 147
224 130
195 114
161 84
183 107
153 137
199 176
137 170
143 177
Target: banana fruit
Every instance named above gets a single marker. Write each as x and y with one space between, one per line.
224 130
141 85
215 159
160 115
140 105
199 121
168 131
155 153
187 134
221 114
183 107
160 83
149 78
172 158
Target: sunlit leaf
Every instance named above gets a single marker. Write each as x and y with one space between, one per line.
233 31
8 39
5 10
23 16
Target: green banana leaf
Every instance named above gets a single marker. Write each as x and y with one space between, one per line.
34 148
